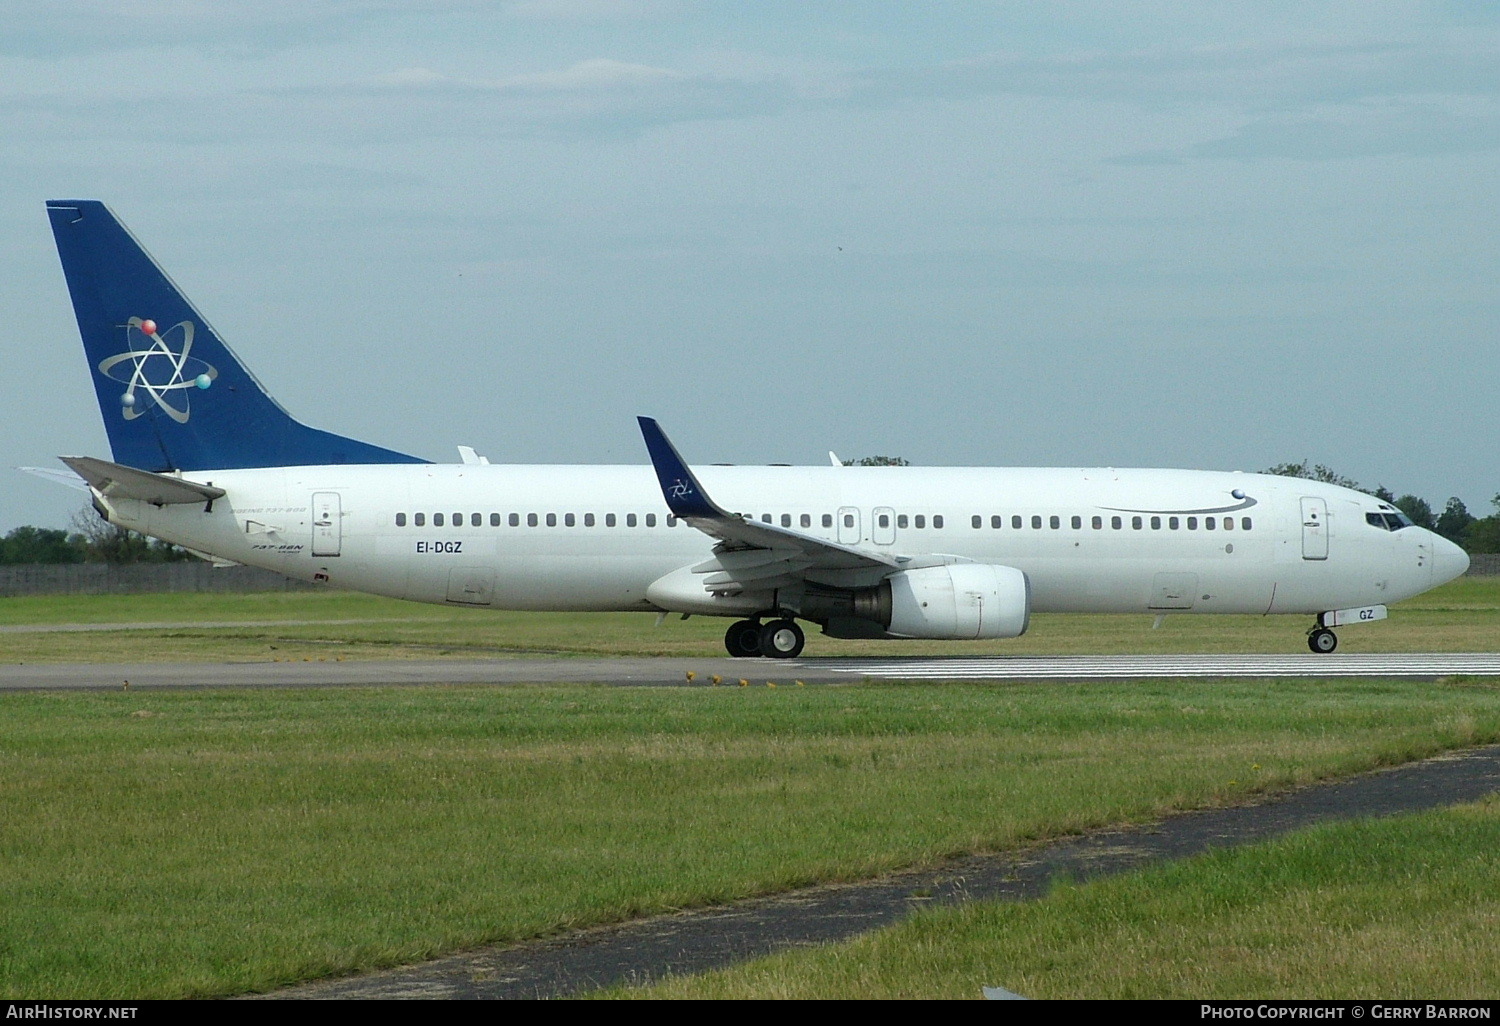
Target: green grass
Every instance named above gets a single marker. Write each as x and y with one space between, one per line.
1461 616
1400 908
199 843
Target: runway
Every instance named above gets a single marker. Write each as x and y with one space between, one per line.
697 672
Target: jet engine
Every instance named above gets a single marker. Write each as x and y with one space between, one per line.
956 601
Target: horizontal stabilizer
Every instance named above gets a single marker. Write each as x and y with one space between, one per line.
116 481
56 476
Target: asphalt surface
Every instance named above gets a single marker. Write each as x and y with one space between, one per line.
674 671
696 941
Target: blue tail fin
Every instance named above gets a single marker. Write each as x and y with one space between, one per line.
173 395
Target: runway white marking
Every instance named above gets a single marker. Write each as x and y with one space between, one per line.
1402 664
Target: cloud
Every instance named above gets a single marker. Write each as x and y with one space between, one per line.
597 74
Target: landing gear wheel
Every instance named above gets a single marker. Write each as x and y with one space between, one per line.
742 639
782 639
1322 641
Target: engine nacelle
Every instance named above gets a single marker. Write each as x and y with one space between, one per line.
960 601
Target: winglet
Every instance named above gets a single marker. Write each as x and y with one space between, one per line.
685 496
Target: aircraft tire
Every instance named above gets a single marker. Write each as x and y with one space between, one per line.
742 639
1322 641
782 639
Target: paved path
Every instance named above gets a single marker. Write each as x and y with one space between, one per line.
675 670
693 942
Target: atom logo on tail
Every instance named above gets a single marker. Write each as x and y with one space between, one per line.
158 371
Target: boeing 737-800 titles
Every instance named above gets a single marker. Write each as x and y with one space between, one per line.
205 459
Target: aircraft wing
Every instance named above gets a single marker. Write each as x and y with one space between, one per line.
750 553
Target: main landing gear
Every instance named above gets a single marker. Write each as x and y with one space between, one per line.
778 639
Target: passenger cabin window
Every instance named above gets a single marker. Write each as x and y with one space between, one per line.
919 521
494 519
458 520
786 520
419 519
1156 523
551 519
1036 523
1173 523
849 520
1116 523
902 521
937 522
1098 523
828 520
995 522
975 521
1229 523
650 519
884 520
1192 523
514 520
1015 522
630 520
475 520
1054 522
1209 524
400 519
1244 523
1135 523
672 521
806 520
531 520
569 520
437 520
1078 523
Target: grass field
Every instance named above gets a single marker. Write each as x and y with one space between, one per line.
205 843
1461 616
1401 908
200 843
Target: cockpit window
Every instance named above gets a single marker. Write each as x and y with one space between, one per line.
1388 521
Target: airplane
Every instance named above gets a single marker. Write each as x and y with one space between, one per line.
204 458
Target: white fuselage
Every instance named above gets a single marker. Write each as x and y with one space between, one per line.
598 537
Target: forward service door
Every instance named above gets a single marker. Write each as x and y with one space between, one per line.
1314 528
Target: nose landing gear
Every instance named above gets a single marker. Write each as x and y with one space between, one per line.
1322 640
779 639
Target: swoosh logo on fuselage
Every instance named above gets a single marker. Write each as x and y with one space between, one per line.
1186 512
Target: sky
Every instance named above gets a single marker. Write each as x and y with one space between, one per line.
966 232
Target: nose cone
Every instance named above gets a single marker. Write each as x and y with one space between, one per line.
1448 561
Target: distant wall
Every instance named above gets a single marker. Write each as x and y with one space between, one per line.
139 578
1484 564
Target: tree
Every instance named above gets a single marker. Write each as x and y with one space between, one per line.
878 461
27 544
1483 535
1313 472
1454 522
